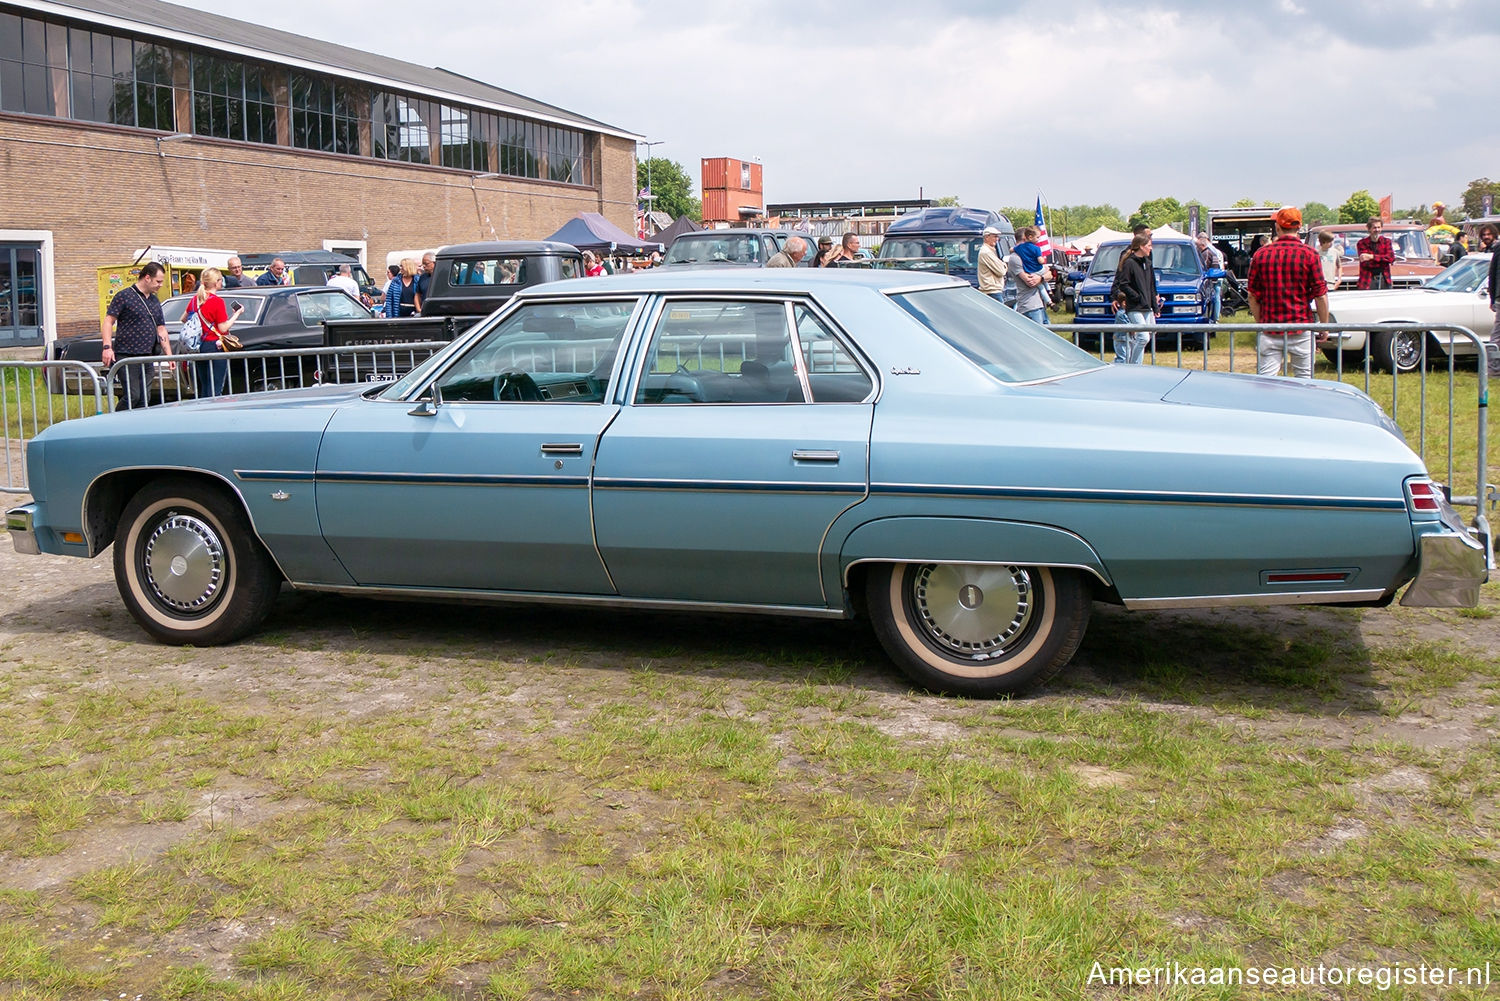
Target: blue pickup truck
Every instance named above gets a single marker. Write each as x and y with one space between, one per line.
1180 280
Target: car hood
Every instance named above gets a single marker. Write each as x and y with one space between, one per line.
312 396
1380 297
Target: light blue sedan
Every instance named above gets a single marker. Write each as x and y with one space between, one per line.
791 441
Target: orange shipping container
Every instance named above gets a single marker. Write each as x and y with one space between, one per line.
729 174
724 206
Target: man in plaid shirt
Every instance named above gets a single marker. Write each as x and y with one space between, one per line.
1375 256
1285 276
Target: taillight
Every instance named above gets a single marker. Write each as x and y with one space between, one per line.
1424 496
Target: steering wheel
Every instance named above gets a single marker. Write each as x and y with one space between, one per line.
516 387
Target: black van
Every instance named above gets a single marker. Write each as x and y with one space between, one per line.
472 280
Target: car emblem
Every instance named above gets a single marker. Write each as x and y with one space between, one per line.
280 495
906 370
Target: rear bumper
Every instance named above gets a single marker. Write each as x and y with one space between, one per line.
20 523
1450 568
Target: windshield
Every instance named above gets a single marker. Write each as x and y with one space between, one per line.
958 251
1467 274
1174 258
996 338
173 309
739 248
1409 244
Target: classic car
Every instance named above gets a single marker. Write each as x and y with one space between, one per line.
746 248
1459 296
788 441
1414 262
276 316
1180 280
944 238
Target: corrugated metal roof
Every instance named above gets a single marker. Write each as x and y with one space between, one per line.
171 22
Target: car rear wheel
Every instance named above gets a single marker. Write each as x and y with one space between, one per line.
188 564
975 629
1397 352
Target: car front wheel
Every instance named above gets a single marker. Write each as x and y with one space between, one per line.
975 629
188 564
1397 352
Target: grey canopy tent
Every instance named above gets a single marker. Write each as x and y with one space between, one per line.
591 231
672 232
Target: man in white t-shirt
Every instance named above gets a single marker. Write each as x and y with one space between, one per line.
345 280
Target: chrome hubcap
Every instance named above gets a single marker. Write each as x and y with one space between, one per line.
1407 349
973 611
184 563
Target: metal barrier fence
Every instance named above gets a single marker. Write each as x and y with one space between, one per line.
36 394
151 380
26 407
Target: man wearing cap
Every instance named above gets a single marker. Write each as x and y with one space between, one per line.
1285 277
825 251
991 267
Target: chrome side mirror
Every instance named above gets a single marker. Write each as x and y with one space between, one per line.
429 406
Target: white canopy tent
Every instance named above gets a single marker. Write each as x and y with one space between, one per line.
1092 240
1168 232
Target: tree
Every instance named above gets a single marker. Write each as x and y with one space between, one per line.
947 202
1474 197
1318 214
1159 212
1244 203
671 186
1359 207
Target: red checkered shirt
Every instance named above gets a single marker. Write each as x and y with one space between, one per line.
1285 277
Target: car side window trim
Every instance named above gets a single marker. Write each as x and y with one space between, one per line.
651 319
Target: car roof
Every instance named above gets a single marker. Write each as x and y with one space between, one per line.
709 234
764 280
948 219
296 257
1359 227
485 247
262 291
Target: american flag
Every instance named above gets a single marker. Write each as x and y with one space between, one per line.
1041 227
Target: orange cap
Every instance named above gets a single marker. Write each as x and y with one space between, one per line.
1288 217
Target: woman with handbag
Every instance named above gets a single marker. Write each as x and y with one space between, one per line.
401 293
207 318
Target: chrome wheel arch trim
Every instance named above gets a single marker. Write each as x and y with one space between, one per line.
190 470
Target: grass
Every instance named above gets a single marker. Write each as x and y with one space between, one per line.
745 816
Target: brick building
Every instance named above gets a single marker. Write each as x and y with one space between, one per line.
127 123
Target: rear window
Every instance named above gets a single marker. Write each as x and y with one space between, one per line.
315 307
737 248
489 271
997 339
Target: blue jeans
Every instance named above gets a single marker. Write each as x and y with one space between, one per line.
1214 308
210 376
1130 346
1039 315
998 297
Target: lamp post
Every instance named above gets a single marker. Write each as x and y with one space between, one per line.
651 194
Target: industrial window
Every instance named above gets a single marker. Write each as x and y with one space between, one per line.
399 128
324 114
33 66
233 99
462 147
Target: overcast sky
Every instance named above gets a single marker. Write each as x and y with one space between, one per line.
1291 100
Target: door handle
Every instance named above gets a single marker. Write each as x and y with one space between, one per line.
556 448
814 455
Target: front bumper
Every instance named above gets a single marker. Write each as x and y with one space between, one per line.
1450 567
20 522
